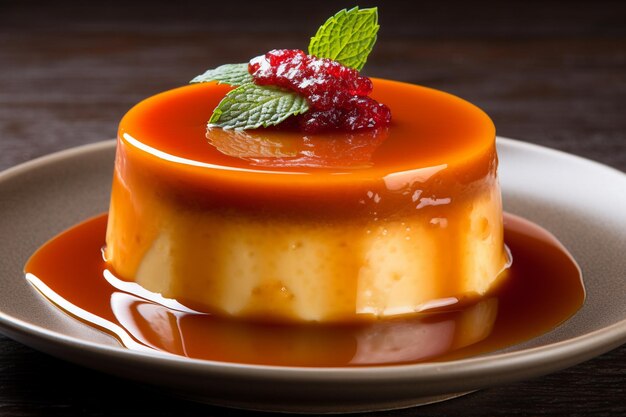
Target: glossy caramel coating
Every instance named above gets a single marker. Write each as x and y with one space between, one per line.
277 225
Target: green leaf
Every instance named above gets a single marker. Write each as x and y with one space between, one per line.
232 74
251 106
348 37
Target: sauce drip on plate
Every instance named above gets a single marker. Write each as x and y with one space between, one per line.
543 289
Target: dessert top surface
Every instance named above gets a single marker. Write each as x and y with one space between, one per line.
429 128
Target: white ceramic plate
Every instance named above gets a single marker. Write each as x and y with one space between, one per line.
583 203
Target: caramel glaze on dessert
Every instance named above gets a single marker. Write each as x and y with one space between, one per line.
543 289
278 225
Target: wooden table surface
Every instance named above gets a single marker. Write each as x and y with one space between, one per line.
552 73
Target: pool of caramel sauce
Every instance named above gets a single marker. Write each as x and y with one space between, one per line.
543 288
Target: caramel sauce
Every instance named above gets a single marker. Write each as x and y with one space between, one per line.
543 289
437 143
429 128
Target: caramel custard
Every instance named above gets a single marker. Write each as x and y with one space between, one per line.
379 241
279 226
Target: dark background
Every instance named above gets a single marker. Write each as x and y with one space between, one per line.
548 72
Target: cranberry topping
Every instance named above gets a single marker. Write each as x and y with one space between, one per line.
336 94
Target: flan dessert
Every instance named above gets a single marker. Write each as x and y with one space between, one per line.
302 199
410 221
294 189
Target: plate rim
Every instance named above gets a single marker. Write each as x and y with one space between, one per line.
549 357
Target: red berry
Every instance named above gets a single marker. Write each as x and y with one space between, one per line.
359 113
337 94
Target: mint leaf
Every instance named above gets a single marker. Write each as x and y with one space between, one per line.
232 74
348 37
251 106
